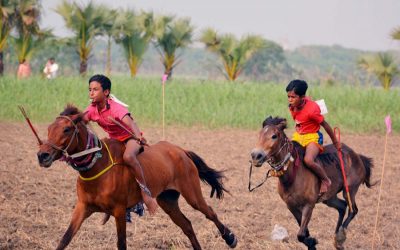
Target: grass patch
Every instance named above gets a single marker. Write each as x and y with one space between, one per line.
212 104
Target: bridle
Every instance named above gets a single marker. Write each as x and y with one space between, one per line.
278 168
94 145
75 133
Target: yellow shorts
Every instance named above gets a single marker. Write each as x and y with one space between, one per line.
305 139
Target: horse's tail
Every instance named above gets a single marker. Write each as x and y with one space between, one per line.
368 164
208 175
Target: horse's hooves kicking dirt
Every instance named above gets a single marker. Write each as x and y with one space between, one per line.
340 238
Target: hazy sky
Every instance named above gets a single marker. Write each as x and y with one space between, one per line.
361 24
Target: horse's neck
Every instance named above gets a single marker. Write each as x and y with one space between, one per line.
83 140
293 165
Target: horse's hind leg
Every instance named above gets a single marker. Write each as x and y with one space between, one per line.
194 197
81 212
340 205
168 201
351 215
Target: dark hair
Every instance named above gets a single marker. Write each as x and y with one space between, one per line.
298 86
103 80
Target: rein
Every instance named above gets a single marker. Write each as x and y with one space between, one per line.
92 147
251 189
278 168
65 150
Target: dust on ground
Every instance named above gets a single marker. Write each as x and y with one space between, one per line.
36 203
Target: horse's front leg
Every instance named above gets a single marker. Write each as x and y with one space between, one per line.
120 221
81 212
303 234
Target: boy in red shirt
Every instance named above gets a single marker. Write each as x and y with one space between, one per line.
103 107
307 116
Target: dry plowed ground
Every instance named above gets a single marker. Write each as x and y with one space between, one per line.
36 203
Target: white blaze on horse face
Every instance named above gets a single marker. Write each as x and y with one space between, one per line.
267 143
261 144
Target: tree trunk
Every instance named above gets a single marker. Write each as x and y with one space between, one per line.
108 64
83 68
1 64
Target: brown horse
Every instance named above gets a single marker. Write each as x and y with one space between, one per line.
106 185
299 187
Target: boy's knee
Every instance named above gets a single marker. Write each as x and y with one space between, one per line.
129 158
309 161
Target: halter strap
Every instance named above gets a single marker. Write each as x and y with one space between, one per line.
104 170
76 131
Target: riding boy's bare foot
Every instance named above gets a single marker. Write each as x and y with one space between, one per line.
325 185
151 204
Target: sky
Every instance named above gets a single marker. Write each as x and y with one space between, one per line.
359 24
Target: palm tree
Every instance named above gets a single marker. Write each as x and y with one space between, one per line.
108 27
7 15
85 22
29 36
396 33
172 35
134 33
382 66
233 53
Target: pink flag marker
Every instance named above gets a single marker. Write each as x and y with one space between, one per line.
388 122
164 78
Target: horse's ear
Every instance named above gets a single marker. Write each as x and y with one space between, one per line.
265 122
282 124
77 118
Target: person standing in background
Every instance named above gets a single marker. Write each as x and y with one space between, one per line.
51 68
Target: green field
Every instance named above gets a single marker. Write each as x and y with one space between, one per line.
201 103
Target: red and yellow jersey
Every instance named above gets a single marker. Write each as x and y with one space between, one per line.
308 118
114 110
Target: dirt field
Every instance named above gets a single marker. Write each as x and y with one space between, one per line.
36 203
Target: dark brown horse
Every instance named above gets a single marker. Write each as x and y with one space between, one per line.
106 185
299 187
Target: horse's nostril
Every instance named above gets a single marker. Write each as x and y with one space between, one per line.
43 156
257 155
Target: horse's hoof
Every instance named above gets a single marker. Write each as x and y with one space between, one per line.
231 240
341 235
340 238
338 246
310 242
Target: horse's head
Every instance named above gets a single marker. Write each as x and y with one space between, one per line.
62 137
270 140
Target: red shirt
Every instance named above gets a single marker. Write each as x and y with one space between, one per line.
116 111
308 118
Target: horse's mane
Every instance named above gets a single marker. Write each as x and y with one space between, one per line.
70 109
273 121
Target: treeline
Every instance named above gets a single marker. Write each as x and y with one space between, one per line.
124 40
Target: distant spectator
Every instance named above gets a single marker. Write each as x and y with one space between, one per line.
24 70
51 68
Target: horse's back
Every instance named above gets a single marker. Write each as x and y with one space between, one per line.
353 165
166 164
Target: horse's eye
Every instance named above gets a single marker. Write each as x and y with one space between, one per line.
67 130
274 137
